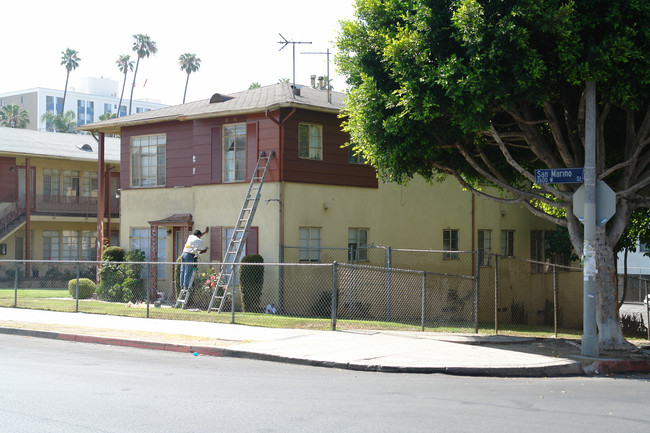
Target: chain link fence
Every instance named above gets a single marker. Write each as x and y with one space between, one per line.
386 288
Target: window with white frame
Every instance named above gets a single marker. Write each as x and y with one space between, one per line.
89 184
140 239
508 243
234 152
51 245
70 244
148 160
357 245
310 141
71 183
484 247
449 243
355 156
309 244
51 182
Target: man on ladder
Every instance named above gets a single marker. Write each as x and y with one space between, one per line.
193 247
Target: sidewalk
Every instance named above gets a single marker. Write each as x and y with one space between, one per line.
384 351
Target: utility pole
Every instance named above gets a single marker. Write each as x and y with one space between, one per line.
589 345
286 42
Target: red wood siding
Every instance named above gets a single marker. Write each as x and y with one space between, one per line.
8 179
334 169
252 241
215 244
194 150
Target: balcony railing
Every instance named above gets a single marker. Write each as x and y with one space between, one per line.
69 205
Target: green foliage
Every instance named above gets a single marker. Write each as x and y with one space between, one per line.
113 254
251 279
12 116
86 288
518 314
119 280
60 122
633 325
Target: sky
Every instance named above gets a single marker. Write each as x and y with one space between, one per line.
236 40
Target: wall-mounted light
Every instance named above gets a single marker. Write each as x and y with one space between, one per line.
12 168
117 193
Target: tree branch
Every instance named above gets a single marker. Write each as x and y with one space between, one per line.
557 135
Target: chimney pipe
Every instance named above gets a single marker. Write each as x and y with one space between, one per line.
313 81
320 82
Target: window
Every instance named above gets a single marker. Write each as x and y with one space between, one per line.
122 110
85 112
310 141
507 243
140 239
540 251
70 240
71 183
108 108
449 243
234 152
148 160
484 247
53 108
355 157
88 245
357 245
226 234
309 244
51 249
89 184
51 182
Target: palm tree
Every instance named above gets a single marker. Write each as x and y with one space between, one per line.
61 123
13 117
254 85
70 60
144 47
124 63
189 63
107 116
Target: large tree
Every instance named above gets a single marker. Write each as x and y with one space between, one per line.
125 64
487 91
13 116
144 47
60 123
70 59
189 63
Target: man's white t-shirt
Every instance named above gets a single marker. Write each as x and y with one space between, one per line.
193 245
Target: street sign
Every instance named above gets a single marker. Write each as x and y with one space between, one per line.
558 175
605 203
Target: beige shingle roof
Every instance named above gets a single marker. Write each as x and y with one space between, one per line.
27 142
249 101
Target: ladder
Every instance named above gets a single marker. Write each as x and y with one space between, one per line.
225 279
184 294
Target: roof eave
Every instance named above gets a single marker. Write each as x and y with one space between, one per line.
115 128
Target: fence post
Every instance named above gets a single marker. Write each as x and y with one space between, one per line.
76 296
555 290
387 285
334 294
476 287
647 309
424 289
148 286
496 294
15 283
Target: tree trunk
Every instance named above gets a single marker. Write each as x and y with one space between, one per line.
65 92
119 105
186 81
610 334
135 74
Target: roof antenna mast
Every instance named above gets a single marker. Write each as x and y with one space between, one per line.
285 42
329 93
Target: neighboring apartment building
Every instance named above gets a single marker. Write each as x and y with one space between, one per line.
92 98
188 167
61 221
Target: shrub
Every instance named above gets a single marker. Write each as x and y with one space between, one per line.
633 325
121 282
113 254
518 313
251 279
86 288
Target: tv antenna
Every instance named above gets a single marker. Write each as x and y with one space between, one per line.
327 83
286 42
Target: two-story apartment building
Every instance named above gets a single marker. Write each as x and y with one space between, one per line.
49 195
188 166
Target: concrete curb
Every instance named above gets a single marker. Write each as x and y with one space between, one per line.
572 369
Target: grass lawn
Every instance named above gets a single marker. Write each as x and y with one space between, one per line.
60 300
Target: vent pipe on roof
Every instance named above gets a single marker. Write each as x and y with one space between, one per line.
313 81
218 97
321 85
296 90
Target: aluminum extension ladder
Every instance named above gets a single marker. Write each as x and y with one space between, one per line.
225 280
